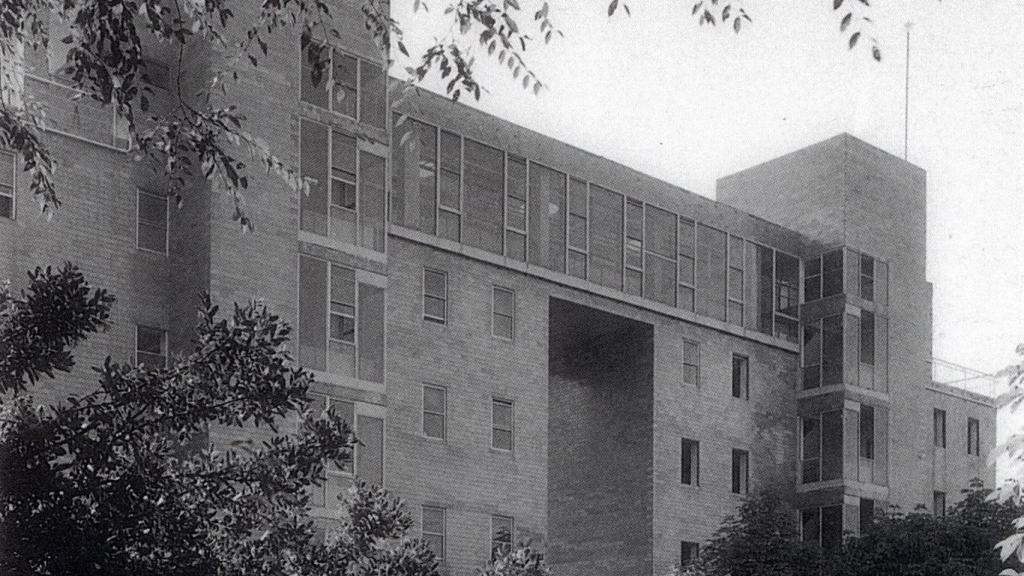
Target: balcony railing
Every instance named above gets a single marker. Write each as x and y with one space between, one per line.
964 378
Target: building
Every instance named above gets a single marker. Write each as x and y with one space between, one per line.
533 341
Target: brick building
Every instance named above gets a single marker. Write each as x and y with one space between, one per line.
528 338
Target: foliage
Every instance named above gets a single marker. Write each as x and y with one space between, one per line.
115 481
762 538
957 544
203 134
1012 547
523 560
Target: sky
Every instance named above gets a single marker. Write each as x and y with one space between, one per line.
689 104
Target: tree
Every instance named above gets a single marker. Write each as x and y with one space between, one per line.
203 135
957 544
1012 547
113 482
761 538
523 560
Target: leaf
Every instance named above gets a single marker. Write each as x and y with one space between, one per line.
612 7
876 54
736 24
846 22
836 4
853 39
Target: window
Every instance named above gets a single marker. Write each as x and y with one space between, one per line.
433 529
368 460
691 362
345 200
867 514
939 428
735 281
690 462
712 248
515 209
577 229
832 273
787 296
435 296
810 461
151 222
150 346
973 437
811 377
867 432
606 237
414 174
501 425
547 217
484 196
812 279
867 338
821 451
502 534
939 503
740 472
688 552
344 84
8 175
822 525
687 263
634 247
435 408
832 350
449 198
867 277
740 377
503 313
341 321
660 245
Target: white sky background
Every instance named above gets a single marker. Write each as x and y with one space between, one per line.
689 104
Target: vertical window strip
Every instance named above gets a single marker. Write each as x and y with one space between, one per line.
503 313
152 222
433 528
8 180
450 183
735 281
435 410
502 425
435 295
691 362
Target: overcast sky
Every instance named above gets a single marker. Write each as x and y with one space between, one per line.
689 104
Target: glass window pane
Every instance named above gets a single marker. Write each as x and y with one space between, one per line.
434 399
433 425
373 94
515 245
685 298
606 211
504 301
372 176
149 340
578 198
343 285
427 138
451 183
341 358
485 190
343 153
578 264
371 333
314 87
502 439
660 279
686 270
449 226
711 272
516 213
502 415
312 313
345 81
686 237
370 454
634 282
152 237
660 231
435 283
434 307
503 327
313 164
547 207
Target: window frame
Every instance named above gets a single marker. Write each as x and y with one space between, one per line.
626 266
696 365
330 87
139 192
681 284
973 436
805 457
740 476
511 534
458 211
571 250
163 344
440 555
743 362
865 441
424 412
938 497
495 402
495 314
13 186
507 227
693 471
733 269
866 279
694 552
939 428
442 320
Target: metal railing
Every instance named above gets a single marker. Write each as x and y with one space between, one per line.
964 378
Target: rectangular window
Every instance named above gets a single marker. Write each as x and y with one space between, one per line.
502 535
740 472
822 525
735 283
341 321
973 437
660 246
832 273
8 174
547 217
150 346
832 445
811 377
414 174
435 296
337 479
151 222
867 432
634 247
810 450
577 229
687 263
832 350
867 514
344 84
939 428
503 313
690 462
867 338
712 249
867 277
435 409
606 237
939 503
688 552
502 428
484 196
812 279
515 209
449 198
740 377
787 285
433 529
691 362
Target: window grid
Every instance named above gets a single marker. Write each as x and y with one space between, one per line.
503 313
8 181
433 529
152 219
435 412
449 209
435 296
150 346
502 425
691 362
345 91
689 460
